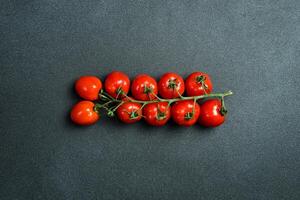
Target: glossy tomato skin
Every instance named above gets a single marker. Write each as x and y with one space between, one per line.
139 87
168 84
194 84
128 109
180 110
210 113
116 80
88 87
83 113
157 114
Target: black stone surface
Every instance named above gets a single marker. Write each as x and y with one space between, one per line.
251 47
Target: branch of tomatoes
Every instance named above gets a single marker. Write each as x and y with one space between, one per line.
155 102
106 99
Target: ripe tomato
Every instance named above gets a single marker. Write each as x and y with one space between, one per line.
169 85
143 87
185 113
157 114
211 115
198 83
83 113
116 82
88 87
129 112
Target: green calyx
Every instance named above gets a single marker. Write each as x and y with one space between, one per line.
201 79
189 116
172 84
133 115
161 115
119 91
148 90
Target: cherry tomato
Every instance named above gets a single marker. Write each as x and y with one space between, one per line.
170 85
211 115
198 83
115 83
157 114
144 87
88 87
185 113
129 112
83 113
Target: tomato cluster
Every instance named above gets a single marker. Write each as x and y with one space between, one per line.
144 97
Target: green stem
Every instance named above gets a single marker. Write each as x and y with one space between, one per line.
117 106
216 95
223 107
170 101
107 95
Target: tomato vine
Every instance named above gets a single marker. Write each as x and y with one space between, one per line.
105 99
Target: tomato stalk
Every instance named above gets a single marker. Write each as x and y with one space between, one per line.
223 110
106 99
201 79
172 84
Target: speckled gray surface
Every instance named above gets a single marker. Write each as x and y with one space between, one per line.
251 47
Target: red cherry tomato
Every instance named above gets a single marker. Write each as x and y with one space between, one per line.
116 82
170 85
198 83
157 114
129 112
144 87
185 113
83 113
88 87
211 113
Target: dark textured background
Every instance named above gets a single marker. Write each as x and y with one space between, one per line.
251 47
